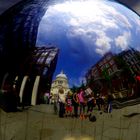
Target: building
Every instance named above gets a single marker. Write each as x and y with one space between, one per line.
106 63
32 78
18 32
60 83
114 73
104 76
132 59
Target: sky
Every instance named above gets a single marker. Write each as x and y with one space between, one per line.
84 36
76 32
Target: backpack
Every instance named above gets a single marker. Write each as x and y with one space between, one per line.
92 118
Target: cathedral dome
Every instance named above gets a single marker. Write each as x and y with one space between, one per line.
61 75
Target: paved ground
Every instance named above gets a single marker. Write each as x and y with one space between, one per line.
40 123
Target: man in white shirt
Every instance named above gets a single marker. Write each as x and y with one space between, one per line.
62 101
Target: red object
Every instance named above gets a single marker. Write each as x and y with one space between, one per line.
138 78
69 108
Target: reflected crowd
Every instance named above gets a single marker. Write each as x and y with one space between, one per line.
83 102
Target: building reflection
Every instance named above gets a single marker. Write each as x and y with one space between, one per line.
115 73
33 76
60 83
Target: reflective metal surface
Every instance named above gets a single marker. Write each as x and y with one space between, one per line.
85 30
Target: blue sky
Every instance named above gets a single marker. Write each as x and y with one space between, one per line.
84 36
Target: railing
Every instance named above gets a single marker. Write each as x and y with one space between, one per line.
119 105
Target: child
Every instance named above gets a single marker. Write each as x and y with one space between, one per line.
69 105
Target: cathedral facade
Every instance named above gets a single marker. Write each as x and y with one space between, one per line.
60 84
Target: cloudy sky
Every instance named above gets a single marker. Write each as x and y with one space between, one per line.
79 32
85 36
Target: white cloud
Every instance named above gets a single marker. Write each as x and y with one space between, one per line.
93 36
77 81
122 41
74 82
89 12
103 43
90 20
86 12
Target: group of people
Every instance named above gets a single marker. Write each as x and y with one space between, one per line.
80 104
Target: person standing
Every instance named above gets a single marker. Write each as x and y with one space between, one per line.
55 103
90 104
69 104
62 101
47 97
75 103
82 103
109 104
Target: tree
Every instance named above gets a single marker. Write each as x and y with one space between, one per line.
74 89
107 77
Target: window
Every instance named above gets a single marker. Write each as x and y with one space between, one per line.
37 54
109 70
104 61
40 60
48 60
45 71
103 67
44 54
115 68
112 62
52 54
60 82
101 63
96 74
108 57
89 77
106 65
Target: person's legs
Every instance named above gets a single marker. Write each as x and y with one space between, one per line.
60 109
88 107
76 110
80 108
55 107
63 109
99 107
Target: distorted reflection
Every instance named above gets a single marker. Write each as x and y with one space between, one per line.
90 34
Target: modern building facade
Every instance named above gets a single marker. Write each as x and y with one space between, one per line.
21 67
18 32
33 77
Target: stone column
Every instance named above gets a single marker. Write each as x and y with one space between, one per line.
4 79
23 87
35 90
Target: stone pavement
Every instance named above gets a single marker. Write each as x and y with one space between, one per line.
40 123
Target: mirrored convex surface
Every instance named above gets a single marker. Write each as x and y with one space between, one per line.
85 31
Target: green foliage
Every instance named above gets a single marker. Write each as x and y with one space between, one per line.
74 88
105 75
